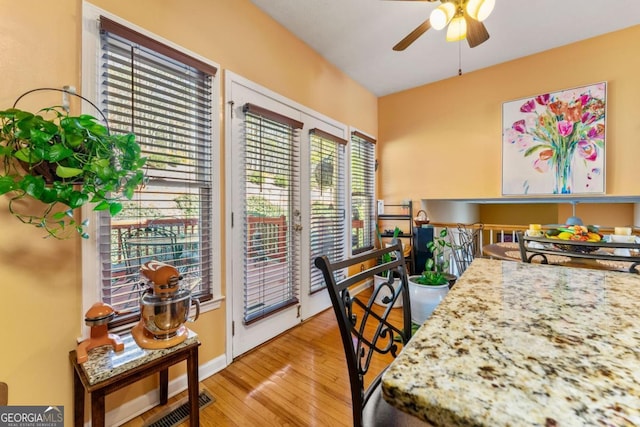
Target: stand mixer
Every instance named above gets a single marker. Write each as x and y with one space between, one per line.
164 308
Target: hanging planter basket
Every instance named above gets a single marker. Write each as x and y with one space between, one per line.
65 162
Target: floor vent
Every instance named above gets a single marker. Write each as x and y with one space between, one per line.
178 412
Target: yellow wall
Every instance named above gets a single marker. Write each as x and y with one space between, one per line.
41 290
443 140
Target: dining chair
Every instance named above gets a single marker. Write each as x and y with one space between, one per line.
465 245
144 244
366 331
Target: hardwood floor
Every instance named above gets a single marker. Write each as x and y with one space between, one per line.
297 379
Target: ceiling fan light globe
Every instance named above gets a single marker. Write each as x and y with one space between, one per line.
480 9
441 15
457 29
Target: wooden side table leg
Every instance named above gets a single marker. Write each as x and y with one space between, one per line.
193 385
97 408
164 386
78 400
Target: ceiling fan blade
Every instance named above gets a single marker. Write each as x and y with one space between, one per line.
412 36
476 32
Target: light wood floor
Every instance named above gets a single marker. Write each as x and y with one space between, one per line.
297 379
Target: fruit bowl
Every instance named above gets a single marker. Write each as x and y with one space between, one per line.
575 234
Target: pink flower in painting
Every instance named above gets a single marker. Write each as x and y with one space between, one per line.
543 99
596 132
584 99
510 135
519 126
588 118
587 150
524 141
528 106
565 127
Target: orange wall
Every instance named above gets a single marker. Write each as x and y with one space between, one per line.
41 291
443 140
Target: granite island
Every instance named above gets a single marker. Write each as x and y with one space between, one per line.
516 344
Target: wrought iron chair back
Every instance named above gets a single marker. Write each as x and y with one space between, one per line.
465 245
147 243
365 329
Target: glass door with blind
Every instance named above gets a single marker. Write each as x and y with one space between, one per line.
287 180
266 216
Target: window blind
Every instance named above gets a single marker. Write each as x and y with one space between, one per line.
271 187
362 192
164 97
327 198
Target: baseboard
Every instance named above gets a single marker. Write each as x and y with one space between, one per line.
142 404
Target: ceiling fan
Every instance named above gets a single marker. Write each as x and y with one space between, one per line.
464 18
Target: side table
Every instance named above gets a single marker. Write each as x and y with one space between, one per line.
107 371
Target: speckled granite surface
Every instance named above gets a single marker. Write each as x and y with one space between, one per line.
516 344
103 363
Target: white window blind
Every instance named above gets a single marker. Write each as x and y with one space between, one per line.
327 197
164 97
362 192
271 186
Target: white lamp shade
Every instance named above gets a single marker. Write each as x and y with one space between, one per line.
457 29
441 15
480 9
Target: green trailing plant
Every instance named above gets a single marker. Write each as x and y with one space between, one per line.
435 268
65 162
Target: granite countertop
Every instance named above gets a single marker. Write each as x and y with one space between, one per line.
516 344
104 363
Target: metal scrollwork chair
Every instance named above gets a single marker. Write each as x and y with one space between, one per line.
366 331
466 242
144 244
147 243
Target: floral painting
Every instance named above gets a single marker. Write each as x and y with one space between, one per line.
554 143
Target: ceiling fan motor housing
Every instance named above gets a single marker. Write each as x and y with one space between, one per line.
464 18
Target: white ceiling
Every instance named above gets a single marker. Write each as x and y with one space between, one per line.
357 36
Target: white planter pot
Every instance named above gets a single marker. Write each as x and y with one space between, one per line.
424 299
385 291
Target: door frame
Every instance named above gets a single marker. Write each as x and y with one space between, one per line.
322 300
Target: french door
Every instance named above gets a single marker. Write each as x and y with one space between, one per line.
270 165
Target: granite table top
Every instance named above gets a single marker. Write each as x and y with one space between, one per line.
517 344
104 363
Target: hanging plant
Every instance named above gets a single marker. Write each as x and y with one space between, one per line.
65 162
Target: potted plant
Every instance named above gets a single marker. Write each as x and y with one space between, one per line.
65 162
430 287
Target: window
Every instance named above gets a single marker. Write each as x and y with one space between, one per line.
165 98
362 192
328 207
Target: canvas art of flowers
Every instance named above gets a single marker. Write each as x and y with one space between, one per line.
554 143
